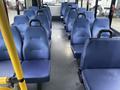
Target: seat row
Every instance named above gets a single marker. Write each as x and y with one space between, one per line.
81 25
82 31
42 17
98 50
33 47
34 54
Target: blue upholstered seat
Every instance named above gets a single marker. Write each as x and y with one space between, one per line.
91 17
6 69
21 22
63 6
81 10
34 8
79 35
36 52
71 19
101 79
36 71
99 24
44 21
67 13
29 13
100 64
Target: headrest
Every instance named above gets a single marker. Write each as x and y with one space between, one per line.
81 10
21 19
29 12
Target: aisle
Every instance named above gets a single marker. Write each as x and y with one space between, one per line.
63 69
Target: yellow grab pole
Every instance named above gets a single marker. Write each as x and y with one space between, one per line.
4 80
9 42
4 88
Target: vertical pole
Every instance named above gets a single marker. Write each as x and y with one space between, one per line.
76 1
10 45
81 3
96 7
34 3
41 2
87 5
112 10
25 4
17 7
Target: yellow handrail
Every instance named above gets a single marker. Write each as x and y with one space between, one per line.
9 42
4 88
4 80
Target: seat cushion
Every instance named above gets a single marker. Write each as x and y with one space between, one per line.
6 69
77 50
36 71
101 79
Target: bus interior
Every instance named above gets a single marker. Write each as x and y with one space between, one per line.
59 44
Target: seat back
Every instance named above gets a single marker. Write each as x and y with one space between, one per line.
48 9
43 18
18 43
48 13
99 24
21 22
34 8
63 6
21 19
90 16
36 46
101 53
45 23
71 18
74 5
29 13
67 13
81 31
81 10
45 10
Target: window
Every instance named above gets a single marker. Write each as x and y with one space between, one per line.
103 7
79 3
11 6
84 3
116 17
54 2
92 5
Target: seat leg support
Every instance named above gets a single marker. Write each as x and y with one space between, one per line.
80 76
39 86
78 62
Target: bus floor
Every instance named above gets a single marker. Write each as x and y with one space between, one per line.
63 69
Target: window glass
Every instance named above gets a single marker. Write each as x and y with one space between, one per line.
11 6
116 17
92 5
84 3
56 2
79 3
103 7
